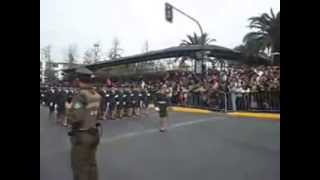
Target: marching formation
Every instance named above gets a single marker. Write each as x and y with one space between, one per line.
81 108
116 102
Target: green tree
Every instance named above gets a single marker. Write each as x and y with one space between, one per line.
93 54
71 55
251 51
193 40
266 34
115 51
197 40
144 66
97 52
88 57
49 71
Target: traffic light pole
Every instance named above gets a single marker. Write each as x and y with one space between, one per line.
201 31
193 19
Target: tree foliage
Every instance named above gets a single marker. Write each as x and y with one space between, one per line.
49 71
115 52
88 57
266 34
190 41
72 55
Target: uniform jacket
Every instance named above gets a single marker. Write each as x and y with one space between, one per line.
85 109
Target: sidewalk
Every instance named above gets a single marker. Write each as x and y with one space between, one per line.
272 116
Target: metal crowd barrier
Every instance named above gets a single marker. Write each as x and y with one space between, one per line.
197 100
226 102
258 101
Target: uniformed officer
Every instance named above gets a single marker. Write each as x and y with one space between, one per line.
135 101
108 97
83 118
51 101
117 99
125 101
112 107
106 92
71 92
143 100
42 96
47 95
121 106
148 98
68 105
61 99
162 104
102 92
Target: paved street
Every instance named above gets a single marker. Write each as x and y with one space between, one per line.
205 147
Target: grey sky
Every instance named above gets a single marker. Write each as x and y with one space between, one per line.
84 22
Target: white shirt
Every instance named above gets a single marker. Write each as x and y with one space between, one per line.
247 90
260 73
240 90
233 89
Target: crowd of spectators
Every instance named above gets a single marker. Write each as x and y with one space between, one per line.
188 88
183 87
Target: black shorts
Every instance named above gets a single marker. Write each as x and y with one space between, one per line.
119 106
134 104
51 108
112 106
61 111
163 111
130 105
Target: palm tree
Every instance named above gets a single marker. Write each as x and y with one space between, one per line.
251 50
197 40
193 40
267 34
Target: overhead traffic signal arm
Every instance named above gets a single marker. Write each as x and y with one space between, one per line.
169 15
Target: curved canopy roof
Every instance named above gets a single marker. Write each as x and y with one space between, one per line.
211 51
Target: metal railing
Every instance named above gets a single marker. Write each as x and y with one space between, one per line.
226 102
257 101
215 101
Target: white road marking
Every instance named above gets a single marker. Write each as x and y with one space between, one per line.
108 140
149 131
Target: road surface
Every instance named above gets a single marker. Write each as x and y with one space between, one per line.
202 147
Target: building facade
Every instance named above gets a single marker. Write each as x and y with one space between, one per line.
57 68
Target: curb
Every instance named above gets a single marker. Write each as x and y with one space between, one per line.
271 116
189 110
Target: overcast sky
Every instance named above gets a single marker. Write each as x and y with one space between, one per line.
133 22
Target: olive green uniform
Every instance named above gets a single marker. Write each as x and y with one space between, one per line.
84 135
162 103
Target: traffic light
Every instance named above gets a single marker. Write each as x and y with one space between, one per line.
169 13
